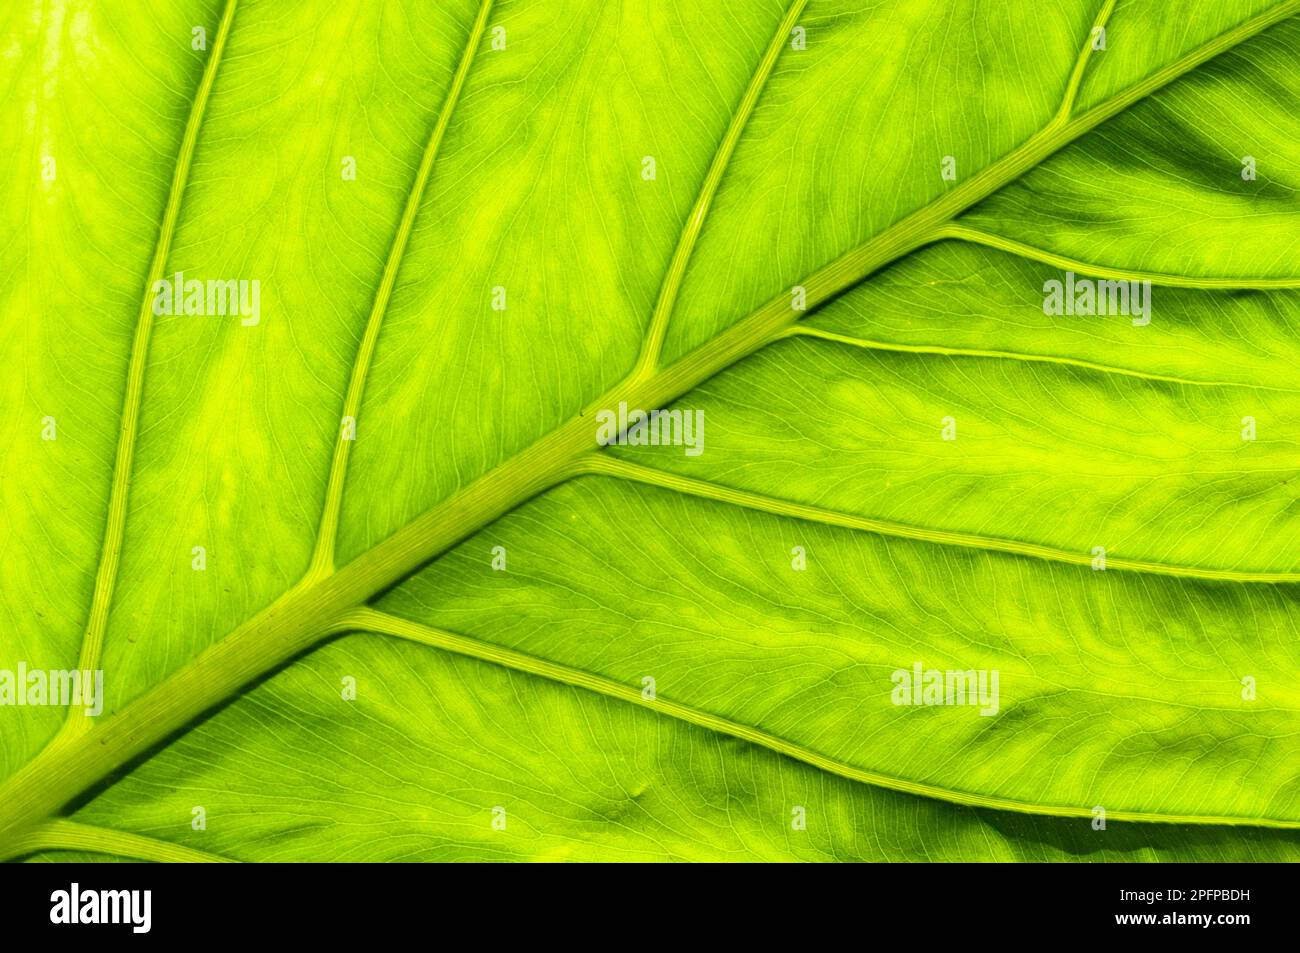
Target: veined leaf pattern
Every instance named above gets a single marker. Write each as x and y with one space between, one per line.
364 583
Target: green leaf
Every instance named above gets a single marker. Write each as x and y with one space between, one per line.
361 578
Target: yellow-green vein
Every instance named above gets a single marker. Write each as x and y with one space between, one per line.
604 465
807 330
71 835
1081 64
115 527
672 282
371 620
322 560
977 236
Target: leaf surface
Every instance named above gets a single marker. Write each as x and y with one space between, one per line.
561 207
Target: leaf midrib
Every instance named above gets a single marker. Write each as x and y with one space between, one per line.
314 609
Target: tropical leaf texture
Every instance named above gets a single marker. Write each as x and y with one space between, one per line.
364 585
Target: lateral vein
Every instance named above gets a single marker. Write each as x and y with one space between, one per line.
808 330
72 835
659 319
371 620
604 465
115 527
322 560
1081 64
978 236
